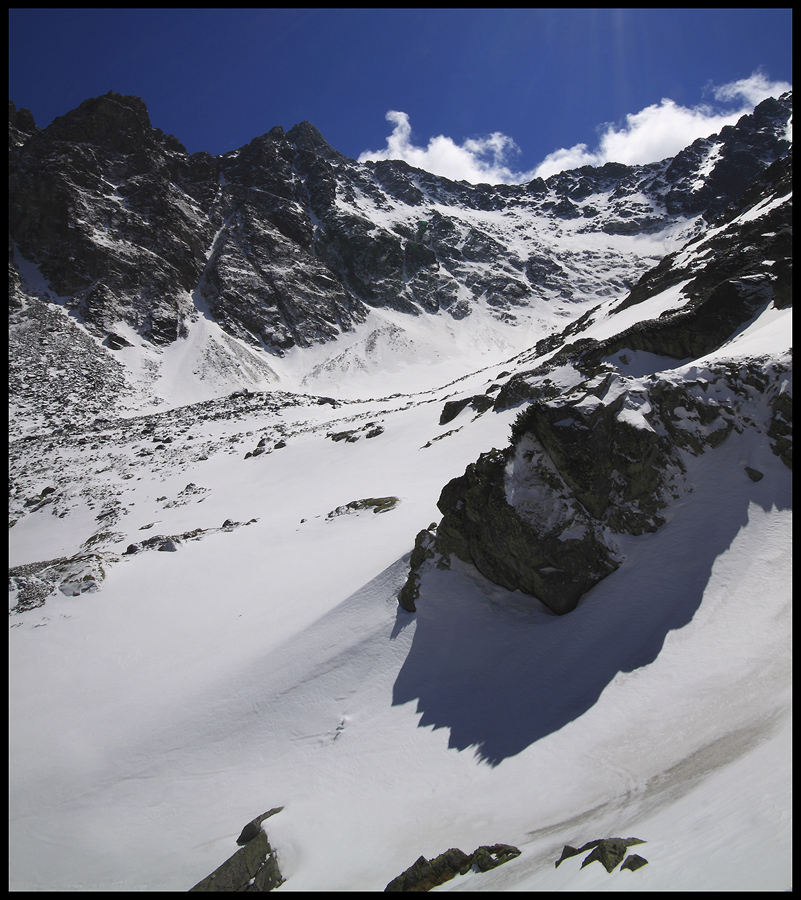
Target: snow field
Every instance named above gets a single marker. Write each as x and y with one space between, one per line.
271 666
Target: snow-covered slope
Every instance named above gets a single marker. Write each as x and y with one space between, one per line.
204 610
270 665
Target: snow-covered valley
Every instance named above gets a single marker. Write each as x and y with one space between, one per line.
208 542
269 664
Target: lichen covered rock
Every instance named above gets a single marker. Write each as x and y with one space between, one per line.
428 873
608 851
252 868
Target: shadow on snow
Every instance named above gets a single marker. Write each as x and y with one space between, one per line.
501 672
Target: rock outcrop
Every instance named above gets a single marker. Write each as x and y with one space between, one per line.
605 456
428 873
605 459
607 851
376 504
252 868
556 554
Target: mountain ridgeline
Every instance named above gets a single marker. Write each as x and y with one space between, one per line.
119 237
288 243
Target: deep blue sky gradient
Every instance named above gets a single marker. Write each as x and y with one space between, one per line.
547 78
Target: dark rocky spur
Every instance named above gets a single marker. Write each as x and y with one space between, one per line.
425 874
607 851
252 868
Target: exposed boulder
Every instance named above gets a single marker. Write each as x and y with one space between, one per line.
491 856
480 403
608 851
377 504
422 551
634 861
428 873
252 829
116 341
452 409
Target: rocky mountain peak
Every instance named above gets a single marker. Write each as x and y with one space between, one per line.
20 126
306 137
769 113
113 120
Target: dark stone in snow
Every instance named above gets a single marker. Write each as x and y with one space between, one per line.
428 873
252 829
116 341
608 851
252 868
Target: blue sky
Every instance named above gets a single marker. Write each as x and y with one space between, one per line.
495 95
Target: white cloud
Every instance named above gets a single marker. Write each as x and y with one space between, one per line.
477 160
662 129
753 90
653 133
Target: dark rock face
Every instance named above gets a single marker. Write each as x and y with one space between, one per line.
739 148
608 851
480 403
252 868
603 456
428 873
557 557
781 427
122 222
422 551
98 201
20 126
279 241
606 458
